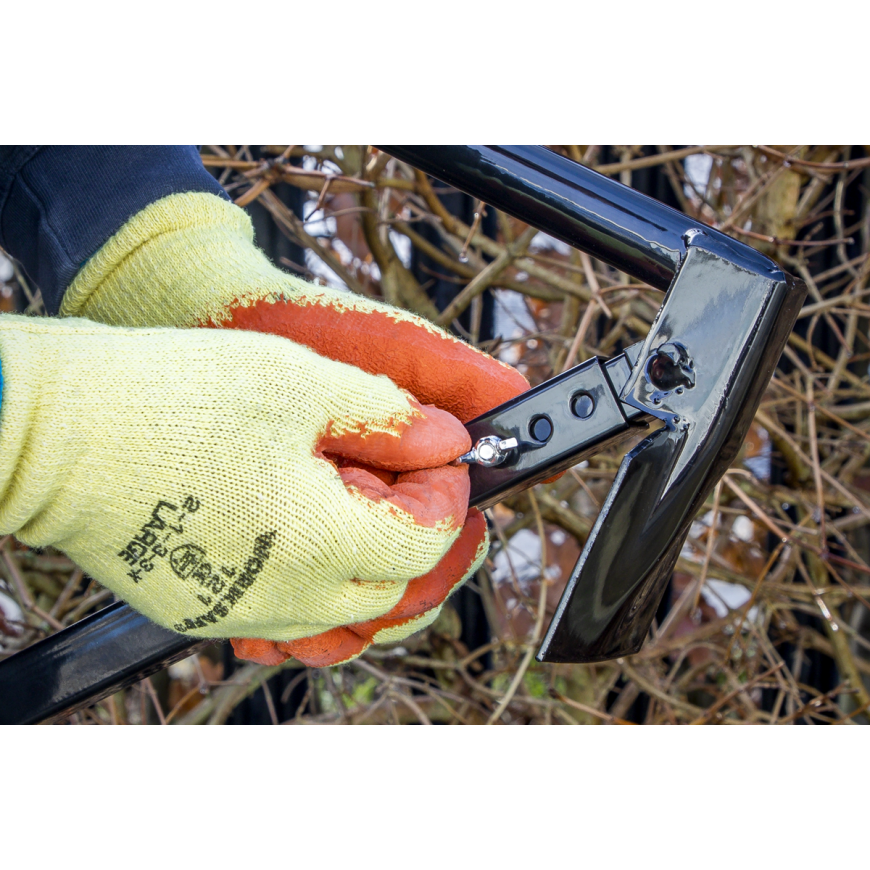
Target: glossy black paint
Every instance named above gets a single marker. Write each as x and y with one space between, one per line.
588 210
730 308
84 663
722 329
571 438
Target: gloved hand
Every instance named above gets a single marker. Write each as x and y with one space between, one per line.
189 260
187 471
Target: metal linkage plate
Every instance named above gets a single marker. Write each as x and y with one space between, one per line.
556 425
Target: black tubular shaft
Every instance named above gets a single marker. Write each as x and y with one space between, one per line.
583 208
84 663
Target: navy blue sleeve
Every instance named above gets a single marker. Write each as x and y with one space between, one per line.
59 204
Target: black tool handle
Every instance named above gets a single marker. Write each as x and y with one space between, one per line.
728 306
99 655
571 202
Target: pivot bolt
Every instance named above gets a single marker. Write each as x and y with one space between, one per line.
671 367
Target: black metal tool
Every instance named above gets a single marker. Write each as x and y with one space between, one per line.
701 371
98 656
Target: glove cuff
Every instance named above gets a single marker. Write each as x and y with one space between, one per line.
181 261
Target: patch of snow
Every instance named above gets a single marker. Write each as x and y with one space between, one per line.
543 242
343 251
320 270
183 670
690 552
512 317
316 224
523 554
512 321
699 526
760 465
11 610
11 613
743 529
402 244
509 354
724 597
698 168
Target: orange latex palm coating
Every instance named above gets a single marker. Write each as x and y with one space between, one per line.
431 495
406 467
345 642
437 370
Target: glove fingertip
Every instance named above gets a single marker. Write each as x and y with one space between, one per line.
431 437
259 650
434 437
430 497
367 483
342 464
333 647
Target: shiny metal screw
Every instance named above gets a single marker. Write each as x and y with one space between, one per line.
489 451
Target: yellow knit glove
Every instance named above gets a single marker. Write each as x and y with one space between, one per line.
189 260
195 473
